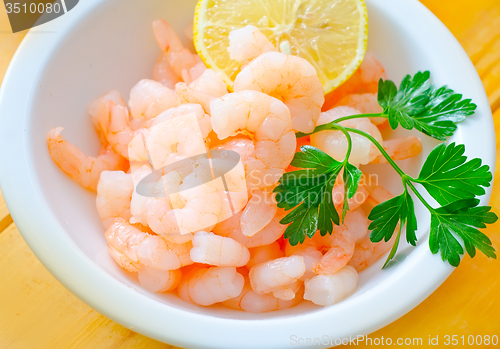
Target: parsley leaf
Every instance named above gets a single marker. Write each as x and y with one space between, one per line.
461 218
309 193
387 215
352 175
410 99
313 158
448 176
304 222
328 215
421 105
443 111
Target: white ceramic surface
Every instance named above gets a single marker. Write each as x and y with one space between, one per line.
107 44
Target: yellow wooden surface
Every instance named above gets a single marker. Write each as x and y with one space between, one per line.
5 218
37 312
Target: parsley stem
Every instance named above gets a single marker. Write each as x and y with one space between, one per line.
404 177
419 196
380 148
333 125
357 116
349 142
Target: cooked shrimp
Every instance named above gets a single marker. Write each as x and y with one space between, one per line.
174 139
334 142
115 122
400 149
184 109
341 248
208 86
365 103
232 202
93 110
122 260
158 211
251 301
137 201
257 174
83 169
179 57
330 289
287 292
163 73
137 247
207 286
114 194
186 94
370 72
357 200
211 83
338 247
263 254
264 118
364 80
259 211
366 252
269 234
289 78
195 208
216 250
149 98
377 195
276 274
248 43
194 73
159 280
229 169
357 223
311 257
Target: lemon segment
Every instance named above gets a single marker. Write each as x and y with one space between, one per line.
330 34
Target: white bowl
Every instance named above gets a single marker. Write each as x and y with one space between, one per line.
102 45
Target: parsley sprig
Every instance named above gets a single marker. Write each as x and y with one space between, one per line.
446 175
309 192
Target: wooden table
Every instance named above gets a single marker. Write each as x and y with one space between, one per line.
37 312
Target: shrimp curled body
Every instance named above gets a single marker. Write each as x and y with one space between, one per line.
207 286
219 251
289 78
263 118
84 169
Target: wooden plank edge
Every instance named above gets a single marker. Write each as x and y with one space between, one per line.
5 218
5 222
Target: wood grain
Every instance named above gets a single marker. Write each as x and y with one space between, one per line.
38 312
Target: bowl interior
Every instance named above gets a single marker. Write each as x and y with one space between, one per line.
113 49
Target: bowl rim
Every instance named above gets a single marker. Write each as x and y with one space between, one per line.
62 257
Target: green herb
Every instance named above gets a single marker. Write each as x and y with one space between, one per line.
446 175
462 218
310 191
421 105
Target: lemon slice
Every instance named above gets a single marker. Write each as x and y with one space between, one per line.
330 34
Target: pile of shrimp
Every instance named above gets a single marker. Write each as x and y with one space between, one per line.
208 243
